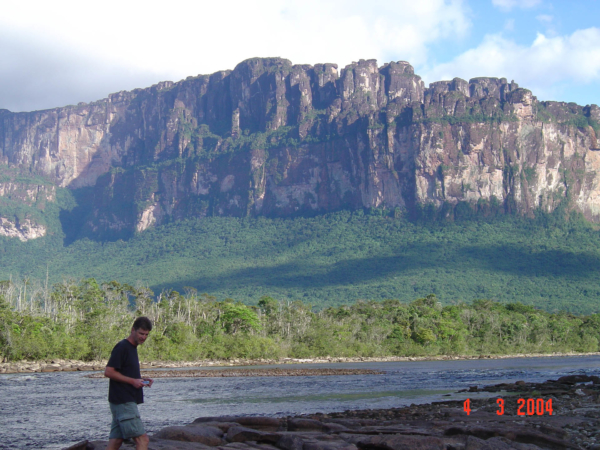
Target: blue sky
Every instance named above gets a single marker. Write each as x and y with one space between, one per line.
66 51
539 39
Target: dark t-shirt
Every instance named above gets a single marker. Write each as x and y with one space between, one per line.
124 359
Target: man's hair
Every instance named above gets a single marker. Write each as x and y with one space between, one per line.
143 323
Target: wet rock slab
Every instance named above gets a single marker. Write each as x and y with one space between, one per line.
573 424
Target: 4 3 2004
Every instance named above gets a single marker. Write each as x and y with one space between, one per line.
525 407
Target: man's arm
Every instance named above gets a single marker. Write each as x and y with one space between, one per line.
113 374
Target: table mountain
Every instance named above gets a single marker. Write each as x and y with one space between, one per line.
275 139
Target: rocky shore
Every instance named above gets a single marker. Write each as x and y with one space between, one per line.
558 414
62 365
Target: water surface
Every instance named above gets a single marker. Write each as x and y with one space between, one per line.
54 410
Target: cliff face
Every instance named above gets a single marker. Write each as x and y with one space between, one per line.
276 139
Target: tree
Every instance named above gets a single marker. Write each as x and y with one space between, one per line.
238 317
268 305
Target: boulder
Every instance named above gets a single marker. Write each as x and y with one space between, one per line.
223 426
290 442
243 434
305 425
258 423
574 379
211 436
332 427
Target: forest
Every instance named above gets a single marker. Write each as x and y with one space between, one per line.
551 262
84 319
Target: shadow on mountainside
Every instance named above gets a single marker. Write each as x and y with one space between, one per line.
306 273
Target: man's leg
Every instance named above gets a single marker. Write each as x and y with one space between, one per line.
115 439
114 444
141 442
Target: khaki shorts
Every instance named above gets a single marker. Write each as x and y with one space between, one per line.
126 423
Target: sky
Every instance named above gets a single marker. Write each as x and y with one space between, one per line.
61 52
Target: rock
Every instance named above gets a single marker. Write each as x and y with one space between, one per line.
435 426
289 442
496 443
332 445
243 434
452 412
83 445
165 444
262 446
455 155
402 442
574 379
237 445
512 432
23 230
258 423
207 435
100 445
331 427
348 423
305 425
223 426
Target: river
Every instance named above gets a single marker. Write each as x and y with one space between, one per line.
55 410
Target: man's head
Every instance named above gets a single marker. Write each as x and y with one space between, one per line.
142 323
140 330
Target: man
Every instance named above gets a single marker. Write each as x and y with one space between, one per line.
125 390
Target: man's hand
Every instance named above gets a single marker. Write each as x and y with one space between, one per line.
137 383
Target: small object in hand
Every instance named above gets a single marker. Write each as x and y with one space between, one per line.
145 382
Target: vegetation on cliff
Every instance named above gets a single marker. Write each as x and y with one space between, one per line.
83 320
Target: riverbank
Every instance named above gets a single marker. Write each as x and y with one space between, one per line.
557 414
62 365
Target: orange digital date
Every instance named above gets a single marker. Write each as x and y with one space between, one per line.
526 407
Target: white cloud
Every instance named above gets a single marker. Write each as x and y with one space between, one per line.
39 75
545 64
150 40
507 5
